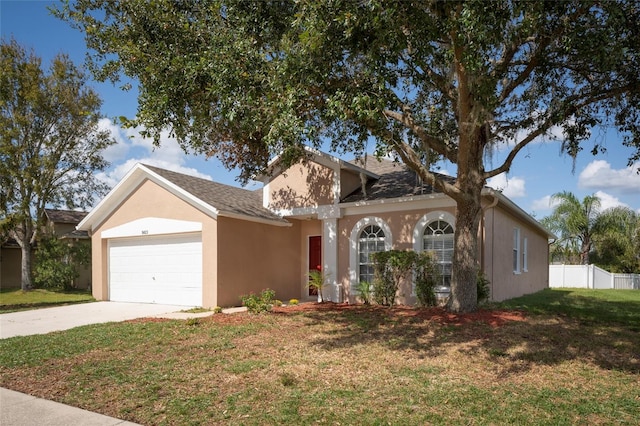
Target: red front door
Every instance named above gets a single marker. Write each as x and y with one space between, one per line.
315 258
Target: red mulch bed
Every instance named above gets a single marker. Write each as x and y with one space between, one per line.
494 318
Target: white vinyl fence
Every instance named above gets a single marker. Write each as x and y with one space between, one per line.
590 276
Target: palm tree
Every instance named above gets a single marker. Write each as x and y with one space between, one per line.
617 240
574 221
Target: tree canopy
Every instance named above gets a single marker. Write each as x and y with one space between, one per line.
454 80
50 145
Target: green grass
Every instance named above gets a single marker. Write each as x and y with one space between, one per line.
594 306
357 365
12 300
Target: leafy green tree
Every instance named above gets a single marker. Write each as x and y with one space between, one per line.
574 222
50 146
617 240
454 80
57 261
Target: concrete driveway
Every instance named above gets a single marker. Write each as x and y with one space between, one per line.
42 321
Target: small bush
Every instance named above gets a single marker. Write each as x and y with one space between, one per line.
426 276
483 287
317 282
294 301
217 310
56 262
277 302
365 291
257 303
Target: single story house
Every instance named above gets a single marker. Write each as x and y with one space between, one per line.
165 237
62 223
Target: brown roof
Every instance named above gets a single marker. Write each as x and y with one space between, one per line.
396 180
65 216
225 198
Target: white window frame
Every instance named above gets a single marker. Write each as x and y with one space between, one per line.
525 254
354 263
418 230
516 251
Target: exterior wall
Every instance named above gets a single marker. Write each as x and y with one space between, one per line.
349 182
497 259
401 225
151 200
10 267
254 256
302 185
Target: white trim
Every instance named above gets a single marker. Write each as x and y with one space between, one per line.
330 259
353 240
151 226
518 251
389 205
418 230
525 254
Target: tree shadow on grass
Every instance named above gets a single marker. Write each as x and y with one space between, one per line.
512 341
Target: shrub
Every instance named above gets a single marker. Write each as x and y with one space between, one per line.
426 276
217 310
316 282
483 287
390 267
365 291
257 303
56 262
294 301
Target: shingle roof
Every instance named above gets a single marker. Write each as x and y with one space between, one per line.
225 198
396 180
65 216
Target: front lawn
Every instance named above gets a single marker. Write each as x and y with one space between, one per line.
340 364
12 300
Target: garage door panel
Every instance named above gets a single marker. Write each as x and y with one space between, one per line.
165 269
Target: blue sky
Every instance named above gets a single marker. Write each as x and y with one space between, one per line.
537 172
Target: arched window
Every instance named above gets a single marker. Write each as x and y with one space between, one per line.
369 235
438 238
370 240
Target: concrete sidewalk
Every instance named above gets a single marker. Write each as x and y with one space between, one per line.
19 409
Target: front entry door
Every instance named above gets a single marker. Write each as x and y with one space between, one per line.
315 258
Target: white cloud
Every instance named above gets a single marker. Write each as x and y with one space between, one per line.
544 203
133 148
511 187
608 201
119 150
599 175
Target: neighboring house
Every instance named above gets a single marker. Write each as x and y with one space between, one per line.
61 223
165 237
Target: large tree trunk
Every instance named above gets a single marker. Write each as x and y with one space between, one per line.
464 291
26 282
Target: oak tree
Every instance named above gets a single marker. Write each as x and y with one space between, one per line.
454 80
50 144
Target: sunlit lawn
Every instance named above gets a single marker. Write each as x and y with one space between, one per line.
15 299
336 364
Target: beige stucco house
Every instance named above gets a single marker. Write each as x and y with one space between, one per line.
61 223
165 237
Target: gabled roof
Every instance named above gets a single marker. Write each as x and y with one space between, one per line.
228 200
64 216
394 180
212 198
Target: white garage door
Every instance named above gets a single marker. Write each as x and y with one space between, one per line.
156 269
